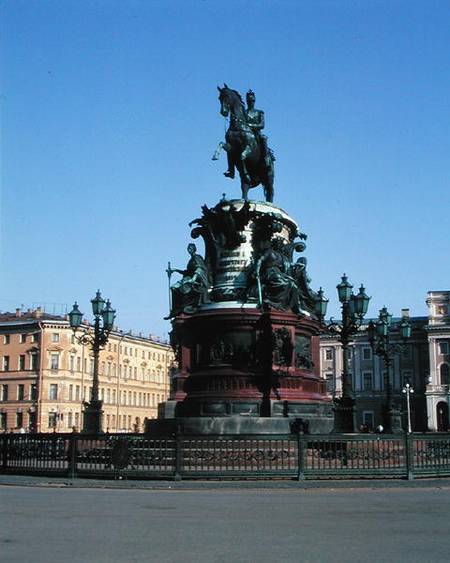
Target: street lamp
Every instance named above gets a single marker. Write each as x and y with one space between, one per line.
407 389
379 338
104 316
354 307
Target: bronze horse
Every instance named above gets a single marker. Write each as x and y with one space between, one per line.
243 147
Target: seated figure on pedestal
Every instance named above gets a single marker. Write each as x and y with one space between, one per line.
277 288
307 297
191 291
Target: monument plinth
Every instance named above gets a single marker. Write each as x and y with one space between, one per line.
246 339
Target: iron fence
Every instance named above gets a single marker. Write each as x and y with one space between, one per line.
294 456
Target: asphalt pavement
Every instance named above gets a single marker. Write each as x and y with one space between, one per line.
85 521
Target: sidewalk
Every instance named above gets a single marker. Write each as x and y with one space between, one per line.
64 482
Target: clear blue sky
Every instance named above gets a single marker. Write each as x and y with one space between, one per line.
110 117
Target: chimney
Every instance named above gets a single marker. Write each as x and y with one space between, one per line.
18 312
38 312
405 313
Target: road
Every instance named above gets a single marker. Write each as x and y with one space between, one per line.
233 525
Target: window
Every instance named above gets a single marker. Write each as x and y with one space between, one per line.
34 362
443 347
367 353
54 361
22 338
445 374
406 378
367 381
368 419
406 352
70 392
35 337
77 420
33 392
52 419
6 339
441 310
55 337
3 421
69 420
19 420
77 393
22 362
53 391
91 367
4 393
78 364
20 392
5 363
72 363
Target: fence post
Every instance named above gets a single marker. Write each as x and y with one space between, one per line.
409 457
5 453
72 456
178 453
301 450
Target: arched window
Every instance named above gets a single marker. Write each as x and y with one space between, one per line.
445 374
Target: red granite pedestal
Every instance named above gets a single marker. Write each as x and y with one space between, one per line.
243 370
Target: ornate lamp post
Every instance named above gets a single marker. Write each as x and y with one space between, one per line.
104 316
354 307
407 389
379 337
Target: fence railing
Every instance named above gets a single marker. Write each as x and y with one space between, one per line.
138 456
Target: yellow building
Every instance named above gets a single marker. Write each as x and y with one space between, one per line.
46 375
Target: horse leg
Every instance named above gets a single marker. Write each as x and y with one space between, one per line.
216 154
244 155
244 188
244 184
268 184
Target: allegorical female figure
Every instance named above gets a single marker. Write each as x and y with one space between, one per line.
189 292
279 288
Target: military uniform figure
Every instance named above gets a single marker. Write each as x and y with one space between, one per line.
255 120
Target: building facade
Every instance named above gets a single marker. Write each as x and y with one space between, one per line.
46 376
424 363
438 388
369 376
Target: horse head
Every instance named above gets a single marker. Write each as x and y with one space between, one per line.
230 100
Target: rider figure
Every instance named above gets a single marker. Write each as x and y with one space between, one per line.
255 120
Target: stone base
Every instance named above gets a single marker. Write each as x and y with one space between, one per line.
320 422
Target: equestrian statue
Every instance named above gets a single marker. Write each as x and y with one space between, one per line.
245 145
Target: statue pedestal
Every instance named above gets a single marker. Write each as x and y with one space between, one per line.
243 329
246 371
